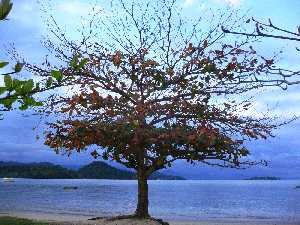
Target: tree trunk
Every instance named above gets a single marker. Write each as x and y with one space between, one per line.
143 202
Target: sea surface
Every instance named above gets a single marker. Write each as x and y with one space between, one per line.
188 200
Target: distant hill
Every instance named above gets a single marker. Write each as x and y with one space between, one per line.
264 178
95 170
162 176
35 171
101 170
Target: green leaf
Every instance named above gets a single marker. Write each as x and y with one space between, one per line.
159 78
29 101
74 62
105 156
210 68
49 82
37 86
3 64
83 63
7 102
194 92
18 85
28 86
57 75
2 90
5 8
38 104
8 81
23 107
201 140
18 67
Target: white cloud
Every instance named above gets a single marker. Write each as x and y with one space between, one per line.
233 2
26 14
77 8
189 2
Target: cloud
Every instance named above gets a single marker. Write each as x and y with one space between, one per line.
78 8
233 2
26 14
228 2
188 3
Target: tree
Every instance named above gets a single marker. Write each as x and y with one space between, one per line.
269 30
153 88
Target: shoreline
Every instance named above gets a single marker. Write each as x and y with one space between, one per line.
69 219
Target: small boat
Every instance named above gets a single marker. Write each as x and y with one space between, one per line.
5 179
70 188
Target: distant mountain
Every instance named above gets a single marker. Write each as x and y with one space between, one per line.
101 170
95 170
264 178
35 171
162 176
10 163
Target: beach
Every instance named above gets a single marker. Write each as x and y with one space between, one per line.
52 219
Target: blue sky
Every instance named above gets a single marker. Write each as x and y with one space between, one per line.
26 27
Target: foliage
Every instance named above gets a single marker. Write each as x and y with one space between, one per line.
159 103
154 88
16 90
5 8
23 91
5 220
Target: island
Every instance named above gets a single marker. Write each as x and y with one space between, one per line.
264 178
94 170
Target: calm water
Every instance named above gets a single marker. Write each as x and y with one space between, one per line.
173 200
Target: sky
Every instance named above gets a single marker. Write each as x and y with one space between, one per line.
26 27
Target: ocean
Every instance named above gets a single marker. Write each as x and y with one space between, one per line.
182 200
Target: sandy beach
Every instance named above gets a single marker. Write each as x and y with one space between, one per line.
84 220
